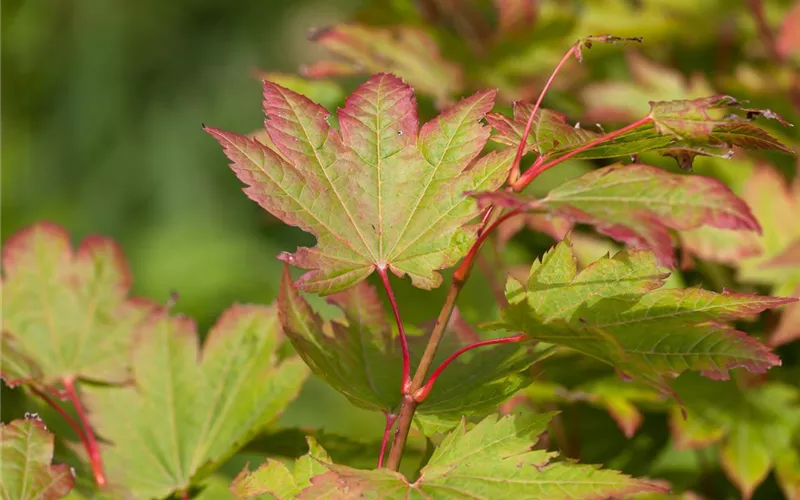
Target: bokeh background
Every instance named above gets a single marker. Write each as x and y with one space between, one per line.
103 103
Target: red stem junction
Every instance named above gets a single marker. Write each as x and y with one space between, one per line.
387 431
540 166
422 394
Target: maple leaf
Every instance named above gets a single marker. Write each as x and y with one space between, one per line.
191 410
275 478
66 315
493 459
756 426
696 120
613 312
359 357
770 258
406 51
638 205
377 194
26 453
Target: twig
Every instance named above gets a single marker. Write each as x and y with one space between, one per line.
764 31
91 442
387 430
540 167
514 174
406 377
422 394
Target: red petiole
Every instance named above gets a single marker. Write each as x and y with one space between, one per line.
90 441
387 431
422 394
406 377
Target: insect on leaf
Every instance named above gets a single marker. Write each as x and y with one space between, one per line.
379 193
190 410
66 314
26 453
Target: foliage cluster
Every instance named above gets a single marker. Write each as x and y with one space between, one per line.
690 190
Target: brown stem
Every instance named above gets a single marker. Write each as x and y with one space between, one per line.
406 377
387 430
407 409
409 406
540 167
764 31
91 442
422 394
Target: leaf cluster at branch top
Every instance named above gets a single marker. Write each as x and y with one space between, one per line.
681 129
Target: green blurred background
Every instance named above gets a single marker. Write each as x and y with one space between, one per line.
103 103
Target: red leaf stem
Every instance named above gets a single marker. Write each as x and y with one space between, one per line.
541 166
406 378
391 418
422 394
91 441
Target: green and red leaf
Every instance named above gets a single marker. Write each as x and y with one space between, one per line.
191 409
67 311
639 205
26 454
613 311
379 193
493 459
